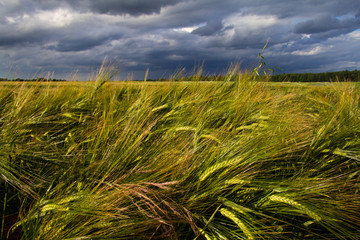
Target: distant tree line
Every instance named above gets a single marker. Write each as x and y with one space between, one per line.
352 76
32 80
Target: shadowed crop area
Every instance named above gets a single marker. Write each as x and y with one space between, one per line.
179 160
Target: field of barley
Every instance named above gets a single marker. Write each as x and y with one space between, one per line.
179 160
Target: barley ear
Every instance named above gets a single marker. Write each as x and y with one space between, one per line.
302 208
237 221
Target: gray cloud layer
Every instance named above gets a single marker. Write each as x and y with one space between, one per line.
132 7
68 36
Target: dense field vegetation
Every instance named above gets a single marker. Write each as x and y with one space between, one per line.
177 160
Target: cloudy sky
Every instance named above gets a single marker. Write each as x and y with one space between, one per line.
67 37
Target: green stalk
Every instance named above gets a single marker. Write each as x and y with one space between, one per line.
4 209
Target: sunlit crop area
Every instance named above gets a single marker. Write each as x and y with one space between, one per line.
179 160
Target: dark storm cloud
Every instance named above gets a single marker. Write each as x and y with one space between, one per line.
165 34
132 7
81 43
13 40
297 8
210 28
327 23
75 45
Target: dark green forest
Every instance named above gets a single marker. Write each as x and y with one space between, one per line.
352 76
341 76
33 80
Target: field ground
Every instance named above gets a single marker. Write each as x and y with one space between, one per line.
179 160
